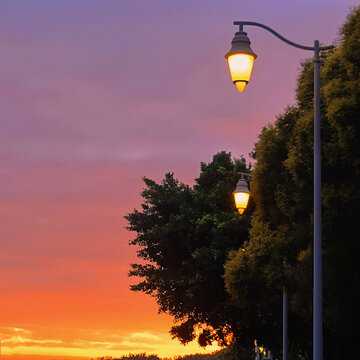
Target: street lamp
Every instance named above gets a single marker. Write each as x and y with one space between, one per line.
241 59
241 194
241 46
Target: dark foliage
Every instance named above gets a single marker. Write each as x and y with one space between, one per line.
184 235
140 356
143 356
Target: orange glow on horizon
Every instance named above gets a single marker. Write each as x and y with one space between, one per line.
92 344
65 290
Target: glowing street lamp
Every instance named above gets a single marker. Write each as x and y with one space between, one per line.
241 59
241 194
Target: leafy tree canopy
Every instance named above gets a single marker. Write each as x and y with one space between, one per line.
184 235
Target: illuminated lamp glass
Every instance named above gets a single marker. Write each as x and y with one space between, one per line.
241 195
241 60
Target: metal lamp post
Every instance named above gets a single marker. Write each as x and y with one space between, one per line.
285 321
240 72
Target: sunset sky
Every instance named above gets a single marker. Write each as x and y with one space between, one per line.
93 96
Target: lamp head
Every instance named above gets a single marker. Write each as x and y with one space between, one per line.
241 195
241 59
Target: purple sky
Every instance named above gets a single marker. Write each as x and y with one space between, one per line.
96 94
145 81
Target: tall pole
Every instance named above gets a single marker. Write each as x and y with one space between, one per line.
317 300
285 325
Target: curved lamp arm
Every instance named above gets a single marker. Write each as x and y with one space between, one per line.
242 174
251 23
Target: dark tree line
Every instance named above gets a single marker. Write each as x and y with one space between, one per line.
184 236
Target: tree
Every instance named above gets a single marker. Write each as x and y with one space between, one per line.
184 235
281 187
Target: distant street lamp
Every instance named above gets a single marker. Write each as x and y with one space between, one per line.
240 59
241 194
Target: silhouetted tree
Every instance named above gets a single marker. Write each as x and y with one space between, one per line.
184 234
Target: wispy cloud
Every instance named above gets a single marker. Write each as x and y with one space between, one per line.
13 337
91 343
144 335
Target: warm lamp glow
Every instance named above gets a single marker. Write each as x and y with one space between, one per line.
240 85
241 201
241 60
241 194
240 66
